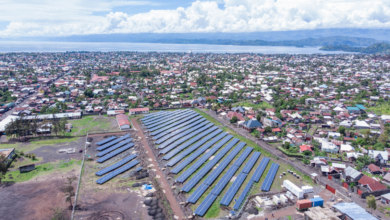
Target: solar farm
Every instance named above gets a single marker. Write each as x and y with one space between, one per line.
208 166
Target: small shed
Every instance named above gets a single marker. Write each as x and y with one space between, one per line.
26 168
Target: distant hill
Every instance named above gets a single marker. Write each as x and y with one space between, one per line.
375 48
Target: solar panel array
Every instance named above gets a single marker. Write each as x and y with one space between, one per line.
106 140
116 146
117 172
248 166
243 195
195 146
155 117
116 165
205 205
209 166
184 139
152 115
269 179
260 169
202 160
114 153
169 124
170 118
177 129
227 198
178 136
109 144
166 128
191 141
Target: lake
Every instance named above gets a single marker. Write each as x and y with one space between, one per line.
41 46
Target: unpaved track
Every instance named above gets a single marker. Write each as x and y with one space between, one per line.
163 182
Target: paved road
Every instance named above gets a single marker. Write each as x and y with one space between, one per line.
163 181
297 165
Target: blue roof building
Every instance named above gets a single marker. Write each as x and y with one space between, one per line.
354 211
323 86
361 107
238 109
251 124
353 110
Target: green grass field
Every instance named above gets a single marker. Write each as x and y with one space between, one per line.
89 123
252 105
381 109
27 147
40 170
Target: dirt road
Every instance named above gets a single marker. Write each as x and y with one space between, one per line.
163 182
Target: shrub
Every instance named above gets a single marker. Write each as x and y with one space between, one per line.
22 153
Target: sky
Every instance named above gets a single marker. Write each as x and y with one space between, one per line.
27 18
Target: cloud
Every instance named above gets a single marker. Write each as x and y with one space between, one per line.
61 18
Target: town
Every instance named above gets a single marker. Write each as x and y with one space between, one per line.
311 135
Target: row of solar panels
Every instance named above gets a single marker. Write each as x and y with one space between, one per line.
116 165
154 117
269 179
116 146
182 134
160 138
172 125
169 124
114 153
173 117
189 140
106 140
109 144
117 172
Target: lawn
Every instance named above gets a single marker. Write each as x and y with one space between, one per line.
27 147
86 124
261 105
40 170
381 109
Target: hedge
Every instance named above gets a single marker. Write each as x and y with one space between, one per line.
290 154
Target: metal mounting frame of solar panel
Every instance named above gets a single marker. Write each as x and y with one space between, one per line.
177 150
184 138
249 165
243 195
177 129
116 165
199 122
232 191
199 152
152 115
106 140
243 156
178 120
150 119
260 169
224 181
205 205
116 146
179 157
192 182
193 198
117 172
109 144
269 179
171 117
114 153
182 134
163 119
162 128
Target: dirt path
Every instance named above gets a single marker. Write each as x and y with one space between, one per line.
164 183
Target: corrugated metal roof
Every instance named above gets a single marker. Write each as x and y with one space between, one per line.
354 211
122 119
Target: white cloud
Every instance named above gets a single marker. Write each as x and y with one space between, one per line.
58 18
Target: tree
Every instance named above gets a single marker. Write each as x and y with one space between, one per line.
258 117
341 130
383 138
234 119
371 202
69 189
268 129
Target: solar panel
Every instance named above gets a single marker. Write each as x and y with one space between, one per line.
151 115
224 180
249 165
214 175
205 169
106 140
205 205
243 156
172 117
177 130
193 140
158 117
114 153
168 125
193 198
197 153
116 165
109 144
172 139
243 195
175 124
116 146
228 197
117 172
184 138
260 169
269 179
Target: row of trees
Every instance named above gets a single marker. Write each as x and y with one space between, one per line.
22 127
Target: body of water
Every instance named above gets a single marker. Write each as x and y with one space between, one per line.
40 46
